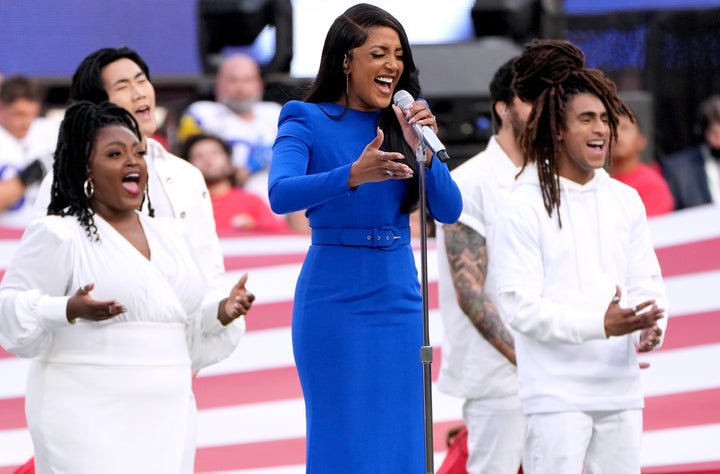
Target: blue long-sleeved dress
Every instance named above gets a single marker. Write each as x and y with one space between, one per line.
357 314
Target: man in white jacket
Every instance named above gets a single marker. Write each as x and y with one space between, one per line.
577 275
175 187
478 362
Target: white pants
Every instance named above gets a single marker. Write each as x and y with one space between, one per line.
496 433
600 442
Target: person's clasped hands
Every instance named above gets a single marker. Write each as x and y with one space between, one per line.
642 317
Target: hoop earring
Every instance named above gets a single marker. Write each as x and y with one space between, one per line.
89 188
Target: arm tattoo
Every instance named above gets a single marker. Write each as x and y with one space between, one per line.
467 255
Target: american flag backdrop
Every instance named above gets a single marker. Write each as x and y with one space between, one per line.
251 417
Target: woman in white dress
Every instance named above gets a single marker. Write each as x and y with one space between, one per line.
113 309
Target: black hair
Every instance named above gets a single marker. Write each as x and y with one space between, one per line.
708 113
198 137
549 73
501 90
349 31
78 130
87 80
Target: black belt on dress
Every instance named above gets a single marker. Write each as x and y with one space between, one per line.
385 238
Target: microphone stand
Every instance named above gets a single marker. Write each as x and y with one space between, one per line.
426 354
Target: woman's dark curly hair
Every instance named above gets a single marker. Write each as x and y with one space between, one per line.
548 73
349 31
72 156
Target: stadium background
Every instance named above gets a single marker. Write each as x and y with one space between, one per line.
664 56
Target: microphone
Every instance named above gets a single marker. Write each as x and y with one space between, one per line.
404 100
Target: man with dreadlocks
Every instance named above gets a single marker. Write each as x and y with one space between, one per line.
578 279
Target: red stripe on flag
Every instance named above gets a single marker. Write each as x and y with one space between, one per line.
12 413
710 467
433 298
8 469
701 407
693 257
259 386
692 330
285 452
277 315
10 234
240 262
269 316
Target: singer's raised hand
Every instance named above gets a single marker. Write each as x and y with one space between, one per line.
237 304
375 165
418 112
82 306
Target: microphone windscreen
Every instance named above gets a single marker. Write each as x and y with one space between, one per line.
403 99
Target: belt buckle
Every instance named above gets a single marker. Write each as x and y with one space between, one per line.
386 238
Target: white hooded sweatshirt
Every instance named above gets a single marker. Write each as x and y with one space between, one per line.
555 284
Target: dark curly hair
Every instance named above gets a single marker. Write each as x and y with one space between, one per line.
72 154
349 31
548 73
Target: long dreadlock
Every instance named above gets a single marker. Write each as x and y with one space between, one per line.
548 73
72 156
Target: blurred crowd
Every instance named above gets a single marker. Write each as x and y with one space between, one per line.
229 138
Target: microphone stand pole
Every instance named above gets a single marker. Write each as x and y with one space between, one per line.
426 354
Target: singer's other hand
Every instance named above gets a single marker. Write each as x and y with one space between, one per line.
237 304
418 112
620 321
375 165
82 306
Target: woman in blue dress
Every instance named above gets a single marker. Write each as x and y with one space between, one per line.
347 155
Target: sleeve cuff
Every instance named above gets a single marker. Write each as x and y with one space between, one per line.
590 327
210 322
52 312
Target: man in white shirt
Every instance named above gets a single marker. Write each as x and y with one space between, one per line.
478 362
576 273
27 142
